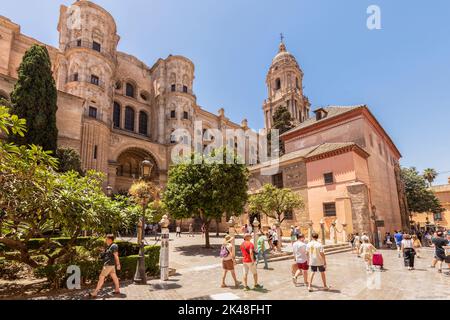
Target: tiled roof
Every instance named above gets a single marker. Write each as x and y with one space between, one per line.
333 111
307 153
329 147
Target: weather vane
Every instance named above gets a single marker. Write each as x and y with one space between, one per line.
282 37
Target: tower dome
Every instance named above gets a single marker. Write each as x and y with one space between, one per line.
284 56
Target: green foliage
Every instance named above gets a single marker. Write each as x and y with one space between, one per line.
420 198
34 99
430 175
198 186
68 160
274 202
90 269
283 122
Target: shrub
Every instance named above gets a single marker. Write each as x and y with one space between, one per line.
90 270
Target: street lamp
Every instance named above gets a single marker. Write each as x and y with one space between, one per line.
164 253
140 276
109 191
374 218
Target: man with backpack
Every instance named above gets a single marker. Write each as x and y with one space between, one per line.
249 261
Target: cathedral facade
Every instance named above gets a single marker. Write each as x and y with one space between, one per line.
112 108
116 112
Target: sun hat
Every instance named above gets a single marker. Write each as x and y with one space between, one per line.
228 239
247 235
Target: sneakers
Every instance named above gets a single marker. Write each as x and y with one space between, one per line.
294 281
258 286
247 288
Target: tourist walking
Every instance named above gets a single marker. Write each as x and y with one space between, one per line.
191 230
366 251
398 237
270 239
275 240
261 250
417 245
249 263
293 235
407 248
356 243
440 242
178 231
203 230
299 249
317 261
228 260
111 262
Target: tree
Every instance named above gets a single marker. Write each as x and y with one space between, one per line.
275 202
430 175
282 121
34 99
420 198
68 160
207 190
36 201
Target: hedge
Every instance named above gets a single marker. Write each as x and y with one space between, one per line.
90 270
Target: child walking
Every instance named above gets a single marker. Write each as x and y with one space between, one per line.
366 251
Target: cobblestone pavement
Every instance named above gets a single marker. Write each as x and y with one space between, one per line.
199 271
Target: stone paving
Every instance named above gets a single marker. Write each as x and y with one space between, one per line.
199 272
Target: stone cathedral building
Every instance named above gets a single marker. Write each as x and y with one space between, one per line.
116 111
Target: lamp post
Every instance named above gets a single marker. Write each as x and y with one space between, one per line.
322 229
109 191
164 254
140 276
374 218
232 230
255 231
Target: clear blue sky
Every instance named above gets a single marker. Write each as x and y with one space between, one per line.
402 71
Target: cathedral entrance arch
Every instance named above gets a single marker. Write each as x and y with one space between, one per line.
129 168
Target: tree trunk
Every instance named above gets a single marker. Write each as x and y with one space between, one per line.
207 243
217 227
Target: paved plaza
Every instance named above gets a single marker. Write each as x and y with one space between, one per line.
199 271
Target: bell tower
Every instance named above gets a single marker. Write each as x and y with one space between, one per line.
284 87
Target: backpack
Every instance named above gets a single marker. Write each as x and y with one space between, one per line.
224 252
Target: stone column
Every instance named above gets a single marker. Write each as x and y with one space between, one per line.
136 121
333 235
322 229
164 254
344 233
161 123
255 231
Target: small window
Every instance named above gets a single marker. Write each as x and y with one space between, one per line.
185 115
75 77
185 89
95 152
95 80
173 114
289 215
129 90
329 209
277 180
79 43
328 177
144 97
371 140
174 88
278 84
173 137
93 112
118 85
96 46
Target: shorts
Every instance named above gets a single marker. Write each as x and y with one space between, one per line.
228 265
440 258
303 266
321 269
249 266
107 271
275 243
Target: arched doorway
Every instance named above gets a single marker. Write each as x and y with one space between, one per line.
129 168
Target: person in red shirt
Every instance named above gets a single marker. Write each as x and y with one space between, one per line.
248 254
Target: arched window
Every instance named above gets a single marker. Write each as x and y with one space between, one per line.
278 84
143 123
116 115
129 90
129 119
